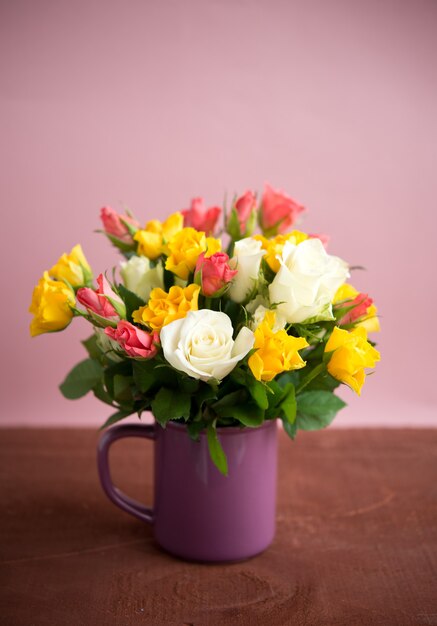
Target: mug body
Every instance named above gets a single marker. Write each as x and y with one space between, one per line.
201 515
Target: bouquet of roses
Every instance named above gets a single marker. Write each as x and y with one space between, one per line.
268 329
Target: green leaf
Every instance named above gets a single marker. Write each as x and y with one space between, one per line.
233 225
249 414
144 375
216 451
229 400
102 395
92 348
118 243
131 300
258 392
169 405
276 391
225 407
310 333
288 404
317 409
288 377
324 382
239 376
123 368
206 392
290 429
195 428
119 307
275 396
313 355
310 376
130 227
122 388
82 378
166 376
188 385
115 417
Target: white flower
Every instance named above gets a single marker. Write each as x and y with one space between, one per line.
140 278
201 344
307 280
260 313
247 257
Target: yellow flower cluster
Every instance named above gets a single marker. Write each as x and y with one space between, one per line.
182 246
186 247
152 240
73 268
276 352
53 296
163 308
351 354
275 245
51 306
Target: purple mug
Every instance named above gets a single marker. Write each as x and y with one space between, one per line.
198 513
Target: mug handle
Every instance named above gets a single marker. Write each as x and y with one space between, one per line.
135 508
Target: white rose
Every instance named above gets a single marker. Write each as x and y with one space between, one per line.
140 278
247 257
201 344
259 314
307 280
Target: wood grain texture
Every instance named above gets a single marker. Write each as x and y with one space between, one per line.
356 538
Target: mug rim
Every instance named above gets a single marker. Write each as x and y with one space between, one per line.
224 430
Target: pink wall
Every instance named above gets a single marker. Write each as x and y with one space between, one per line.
148 104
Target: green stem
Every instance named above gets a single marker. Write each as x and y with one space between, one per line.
230 248
315 372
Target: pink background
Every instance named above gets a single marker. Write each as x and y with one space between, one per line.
148 104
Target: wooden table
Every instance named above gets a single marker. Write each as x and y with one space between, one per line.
356 537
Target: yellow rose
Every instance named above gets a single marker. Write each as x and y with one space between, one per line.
186 247
276 351
73 268
51 301
371 321
365 312
152 240
274 246
351 353
164 308
345 292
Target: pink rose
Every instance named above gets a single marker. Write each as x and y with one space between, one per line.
135 341
244 206
361 303
215 273
96 301
198 217
278 211
113 225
